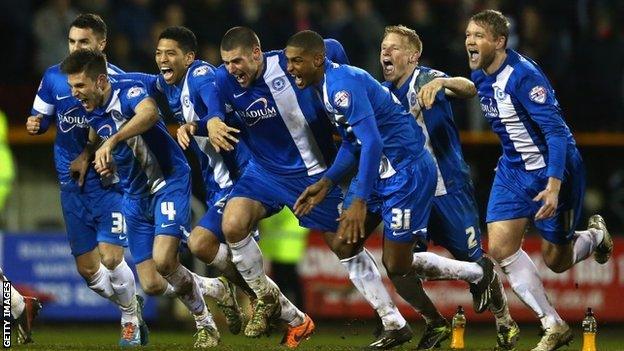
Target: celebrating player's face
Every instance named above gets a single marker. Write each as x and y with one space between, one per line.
480 46
84 38
172 61
301 65
395 57
86 90
242 63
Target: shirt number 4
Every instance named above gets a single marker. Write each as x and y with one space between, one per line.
167 209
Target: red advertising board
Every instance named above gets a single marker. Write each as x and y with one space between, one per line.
330 294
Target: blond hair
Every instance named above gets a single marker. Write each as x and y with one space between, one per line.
412 37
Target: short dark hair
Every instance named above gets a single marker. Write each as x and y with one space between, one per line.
496 22
92 62
90 21
183 36
237 37
308 40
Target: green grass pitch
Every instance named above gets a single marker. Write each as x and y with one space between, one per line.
330 335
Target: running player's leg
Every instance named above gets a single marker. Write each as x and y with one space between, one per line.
436 227
82 236
406 214
365 275
509 211
171 213
563 247
207 242
457 229
255 195
410 287
505 240
97 241
405 208
240 217
212 250
85 230
186 287
249 202
122 281
363 271
454 224
112 238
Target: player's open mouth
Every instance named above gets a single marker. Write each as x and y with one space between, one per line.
241 78
167 73
388 66
473 55
84 102
298 80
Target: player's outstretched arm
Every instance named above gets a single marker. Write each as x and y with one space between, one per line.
145 117
453 86
352 219
459 87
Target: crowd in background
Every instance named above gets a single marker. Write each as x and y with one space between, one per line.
579 43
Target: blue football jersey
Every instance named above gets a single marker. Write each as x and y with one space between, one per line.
194 98
520 104
147 162
351 94
441 135
55 102
285 128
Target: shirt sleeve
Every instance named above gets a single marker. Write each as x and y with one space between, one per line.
44 103
215 107
132 97
335 52
345 160
351 100
536 96
209 93
368 134
441 95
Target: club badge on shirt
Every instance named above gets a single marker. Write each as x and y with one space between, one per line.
134 92
538 94
342 99
200 71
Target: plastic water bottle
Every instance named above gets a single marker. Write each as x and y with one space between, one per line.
589 331
459 326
